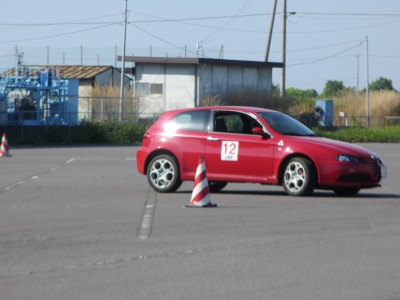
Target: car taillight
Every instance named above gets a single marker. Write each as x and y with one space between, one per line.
146 137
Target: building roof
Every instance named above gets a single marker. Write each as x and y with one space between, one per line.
65 71
79 72
197 61
82 72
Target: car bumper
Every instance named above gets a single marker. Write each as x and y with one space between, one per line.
346 174
141 156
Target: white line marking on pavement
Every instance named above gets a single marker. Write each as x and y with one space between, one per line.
146 223
34 177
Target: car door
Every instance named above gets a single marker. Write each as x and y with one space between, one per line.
186 136
234 153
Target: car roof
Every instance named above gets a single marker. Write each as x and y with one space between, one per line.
249 109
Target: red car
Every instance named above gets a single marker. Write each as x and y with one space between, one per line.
249 144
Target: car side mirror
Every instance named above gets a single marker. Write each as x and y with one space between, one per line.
260 131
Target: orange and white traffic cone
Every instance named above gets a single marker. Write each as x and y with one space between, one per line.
4 151
201 194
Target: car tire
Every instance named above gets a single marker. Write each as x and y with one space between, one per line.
163 174
299 177
216 186
346 191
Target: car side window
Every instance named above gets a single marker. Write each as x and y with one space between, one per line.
191 120
234 122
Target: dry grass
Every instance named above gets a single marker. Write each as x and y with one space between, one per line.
381 103
106 100
106 91
250 98
353 104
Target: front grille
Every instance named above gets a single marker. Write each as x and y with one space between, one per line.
354 178
374 166
374 174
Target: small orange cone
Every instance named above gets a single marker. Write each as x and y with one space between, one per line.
4 152
201 194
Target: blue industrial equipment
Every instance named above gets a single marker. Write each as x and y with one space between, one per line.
31 95
324 112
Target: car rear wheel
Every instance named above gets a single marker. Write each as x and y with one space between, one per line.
348 191
299 178
163 174
216 186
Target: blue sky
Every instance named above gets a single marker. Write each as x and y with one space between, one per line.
326 40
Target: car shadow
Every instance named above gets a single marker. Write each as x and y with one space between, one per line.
315 194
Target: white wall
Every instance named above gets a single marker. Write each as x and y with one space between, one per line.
179 83
180 86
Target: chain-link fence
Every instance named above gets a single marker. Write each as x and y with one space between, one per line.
71 111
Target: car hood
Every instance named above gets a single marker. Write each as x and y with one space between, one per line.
325 144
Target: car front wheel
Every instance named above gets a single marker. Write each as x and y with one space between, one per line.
299 178
163 174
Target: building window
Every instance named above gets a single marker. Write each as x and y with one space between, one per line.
156 89
144 89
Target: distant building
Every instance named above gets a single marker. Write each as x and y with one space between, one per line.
164 83
45 93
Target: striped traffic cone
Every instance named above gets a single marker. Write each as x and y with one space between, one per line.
201 194
4 151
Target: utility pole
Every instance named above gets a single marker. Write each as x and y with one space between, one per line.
16 64
121 91
358 71
81 55
271 27
283 74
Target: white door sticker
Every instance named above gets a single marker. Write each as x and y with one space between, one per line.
229 150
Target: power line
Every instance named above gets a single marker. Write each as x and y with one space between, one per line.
322 47
183 21
327 57
349 14
158 20
76 22
56 35
213 34
161 39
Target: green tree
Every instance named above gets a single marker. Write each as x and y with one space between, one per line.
381 84
333 88
301 94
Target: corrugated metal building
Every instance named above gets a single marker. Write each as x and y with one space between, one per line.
164 83
81 81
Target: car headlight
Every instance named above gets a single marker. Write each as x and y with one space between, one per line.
347 158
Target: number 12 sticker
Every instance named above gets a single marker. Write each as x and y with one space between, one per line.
229 150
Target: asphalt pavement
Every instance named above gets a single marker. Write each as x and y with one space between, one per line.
81 223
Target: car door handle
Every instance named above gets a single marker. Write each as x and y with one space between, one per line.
210 138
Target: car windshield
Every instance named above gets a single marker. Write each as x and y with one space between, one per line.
286 125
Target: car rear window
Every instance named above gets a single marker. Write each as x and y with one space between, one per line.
190 120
